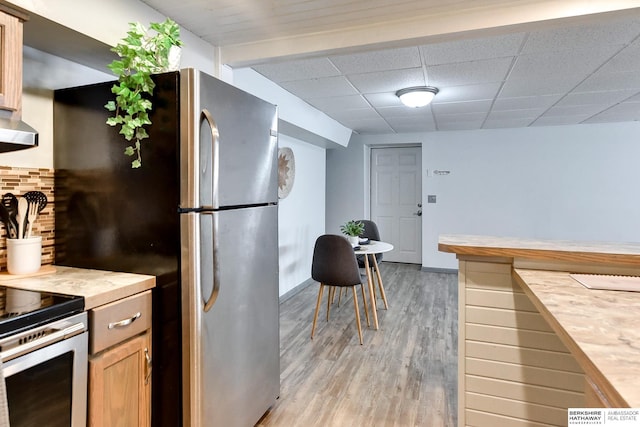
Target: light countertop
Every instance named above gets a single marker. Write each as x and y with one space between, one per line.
96 286
600 327
558 250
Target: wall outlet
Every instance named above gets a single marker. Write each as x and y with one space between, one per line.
431 198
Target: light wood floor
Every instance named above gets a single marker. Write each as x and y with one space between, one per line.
405 374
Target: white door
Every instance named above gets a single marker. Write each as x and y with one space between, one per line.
396 204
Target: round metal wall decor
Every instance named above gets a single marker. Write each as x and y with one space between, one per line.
286 171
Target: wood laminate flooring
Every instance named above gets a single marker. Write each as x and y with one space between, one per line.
405 374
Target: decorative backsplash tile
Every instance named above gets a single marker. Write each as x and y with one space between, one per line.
18 181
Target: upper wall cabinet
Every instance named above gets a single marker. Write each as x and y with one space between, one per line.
11 60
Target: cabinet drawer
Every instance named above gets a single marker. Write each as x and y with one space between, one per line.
115 322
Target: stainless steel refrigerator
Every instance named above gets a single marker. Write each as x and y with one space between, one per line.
200 215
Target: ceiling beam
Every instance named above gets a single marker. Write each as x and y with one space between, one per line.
452 24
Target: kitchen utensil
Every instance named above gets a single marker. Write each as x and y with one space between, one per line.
37 197
32 214
4 216
21 216
10 202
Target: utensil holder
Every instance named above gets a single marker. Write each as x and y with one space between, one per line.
24 256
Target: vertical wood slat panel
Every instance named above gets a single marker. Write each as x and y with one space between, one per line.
514 369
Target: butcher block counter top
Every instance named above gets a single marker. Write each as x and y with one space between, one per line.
96 286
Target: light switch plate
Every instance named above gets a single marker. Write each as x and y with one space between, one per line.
431 198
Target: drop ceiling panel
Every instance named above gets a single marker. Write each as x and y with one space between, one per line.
298 70
372 126
339 103
627 80
464 73
405 125
576 110
358 114
472 49
618 32
600 97
409 113
388 81
367 62
559 120
529 115
556 71
628 59
467 92
482 106
627 111
316 88
525 102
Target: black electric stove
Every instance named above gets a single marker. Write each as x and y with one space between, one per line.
24 309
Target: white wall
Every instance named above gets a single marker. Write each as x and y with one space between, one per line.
347 187
562 182
301 215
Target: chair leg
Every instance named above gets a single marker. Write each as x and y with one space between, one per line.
364 300
355 303
315 315
380 285
332 293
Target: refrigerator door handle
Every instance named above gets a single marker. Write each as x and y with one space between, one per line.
215 135
214 266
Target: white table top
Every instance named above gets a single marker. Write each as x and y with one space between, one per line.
374 247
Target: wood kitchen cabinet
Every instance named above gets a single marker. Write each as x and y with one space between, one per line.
11 60
120 363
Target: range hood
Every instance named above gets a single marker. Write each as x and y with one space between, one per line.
16 135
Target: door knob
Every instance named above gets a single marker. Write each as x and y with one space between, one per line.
419 213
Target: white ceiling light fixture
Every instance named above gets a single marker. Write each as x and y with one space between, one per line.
417 96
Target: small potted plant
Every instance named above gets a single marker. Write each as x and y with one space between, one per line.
141 54
353 229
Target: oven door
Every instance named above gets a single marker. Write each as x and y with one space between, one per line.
47 382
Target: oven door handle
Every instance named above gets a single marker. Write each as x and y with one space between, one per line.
44 341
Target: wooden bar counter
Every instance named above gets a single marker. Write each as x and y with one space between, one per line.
532 340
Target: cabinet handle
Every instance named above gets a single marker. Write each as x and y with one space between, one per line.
125 322
147 375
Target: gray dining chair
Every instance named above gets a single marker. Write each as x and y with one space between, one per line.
371 232
334 264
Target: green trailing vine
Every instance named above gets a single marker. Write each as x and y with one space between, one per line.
141 55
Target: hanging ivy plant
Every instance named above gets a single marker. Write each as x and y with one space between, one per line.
141 54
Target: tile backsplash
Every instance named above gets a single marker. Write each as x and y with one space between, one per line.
18 181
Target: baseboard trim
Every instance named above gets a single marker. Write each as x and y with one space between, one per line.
440 270
292 292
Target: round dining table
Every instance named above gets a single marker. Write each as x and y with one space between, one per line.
370 250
